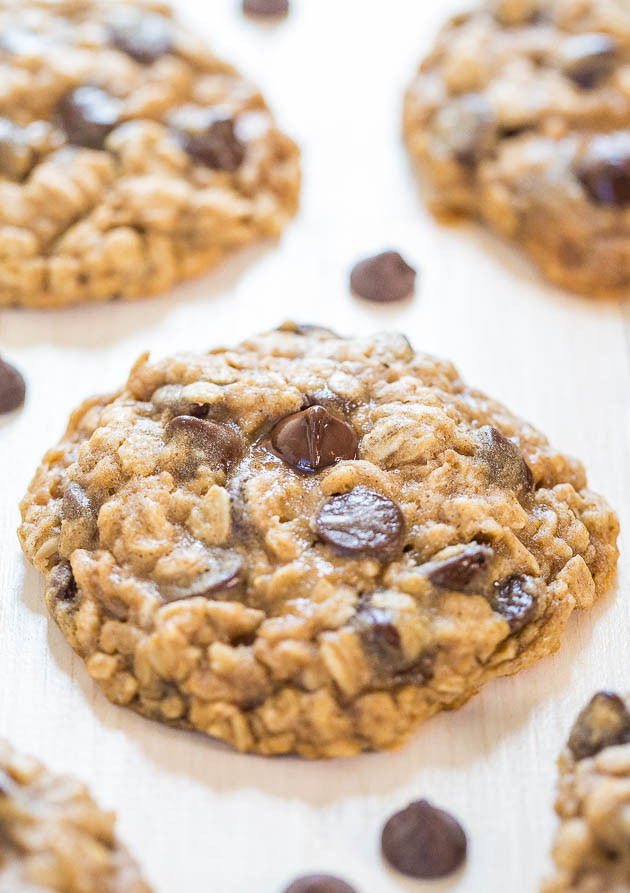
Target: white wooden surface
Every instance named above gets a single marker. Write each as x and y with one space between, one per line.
198 816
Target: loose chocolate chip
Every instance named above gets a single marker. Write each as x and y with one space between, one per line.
383 278
145 37
604 722
268 9
75 504
361 523
88 115
506 466
169 397
319 883
423 841
12 388
208 136
224 573
588 59
220 445
604 170
312 439
458 571
61 585
513 602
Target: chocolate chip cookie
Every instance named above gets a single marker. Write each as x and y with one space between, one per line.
520 116
53 836
130 156
592 846
307 543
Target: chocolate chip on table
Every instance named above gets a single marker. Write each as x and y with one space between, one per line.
361 523
424 842
268 9
223 573
208 135
383 278
88 115
221 445
75 504
604 170
145 37
604 722
459 570
312 439
588 59
319 883
513 602
505 462
61 585
12 388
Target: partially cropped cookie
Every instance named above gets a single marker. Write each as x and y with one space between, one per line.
307 543
53 836
520 116
592 847
130 156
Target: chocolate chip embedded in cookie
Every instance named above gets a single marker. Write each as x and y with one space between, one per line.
227 554
164 158
521 118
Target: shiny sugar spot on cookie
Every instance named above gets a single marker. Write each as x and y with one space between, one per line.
312 439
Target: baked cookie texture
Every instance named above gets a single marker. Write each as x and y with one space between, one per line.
53 836
130 156
520 116
592 847
307 543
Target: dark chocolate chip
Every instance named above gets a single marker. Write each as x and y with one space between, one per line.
329 400
208 136
319 883
506 466
312 439
12 388
588 59
604 722
361 523
380 635
75 504
604 170
169 398
513 602
145 37
383 278
424 842
88 115
223 574
61 585
458 571
268 9
220 445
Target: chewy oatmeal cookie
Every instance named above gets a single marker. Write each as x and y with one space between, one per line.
53 836
130 156
521 116
307 543
592 847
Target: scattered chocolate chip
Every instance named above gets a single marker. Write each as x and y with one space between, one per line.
268 9
604 722
12 388
169 398
61 585
604 170
513 602
146 37
383 278
220 445
361 523
312 439
506 465
319 883
423 841
208 136
588 59
224 573
75 504
459 570
88 115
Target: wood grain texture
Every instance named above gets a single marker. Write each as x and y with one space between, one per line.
198 816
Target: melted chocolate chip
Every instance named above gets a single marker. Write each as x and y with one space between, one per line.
329 400
88 115
61 585
220 445
223 574
268 9
380 635
588 59
458 571
604 722
75 504
506 466
208 136
361 523
145 37
424 842
312 439
319 883
12 388
383 278
604 170
513 602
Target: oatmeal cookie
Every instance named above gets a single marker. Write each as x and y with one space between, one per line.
130 156
521 116
307 543
54 837
592 846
